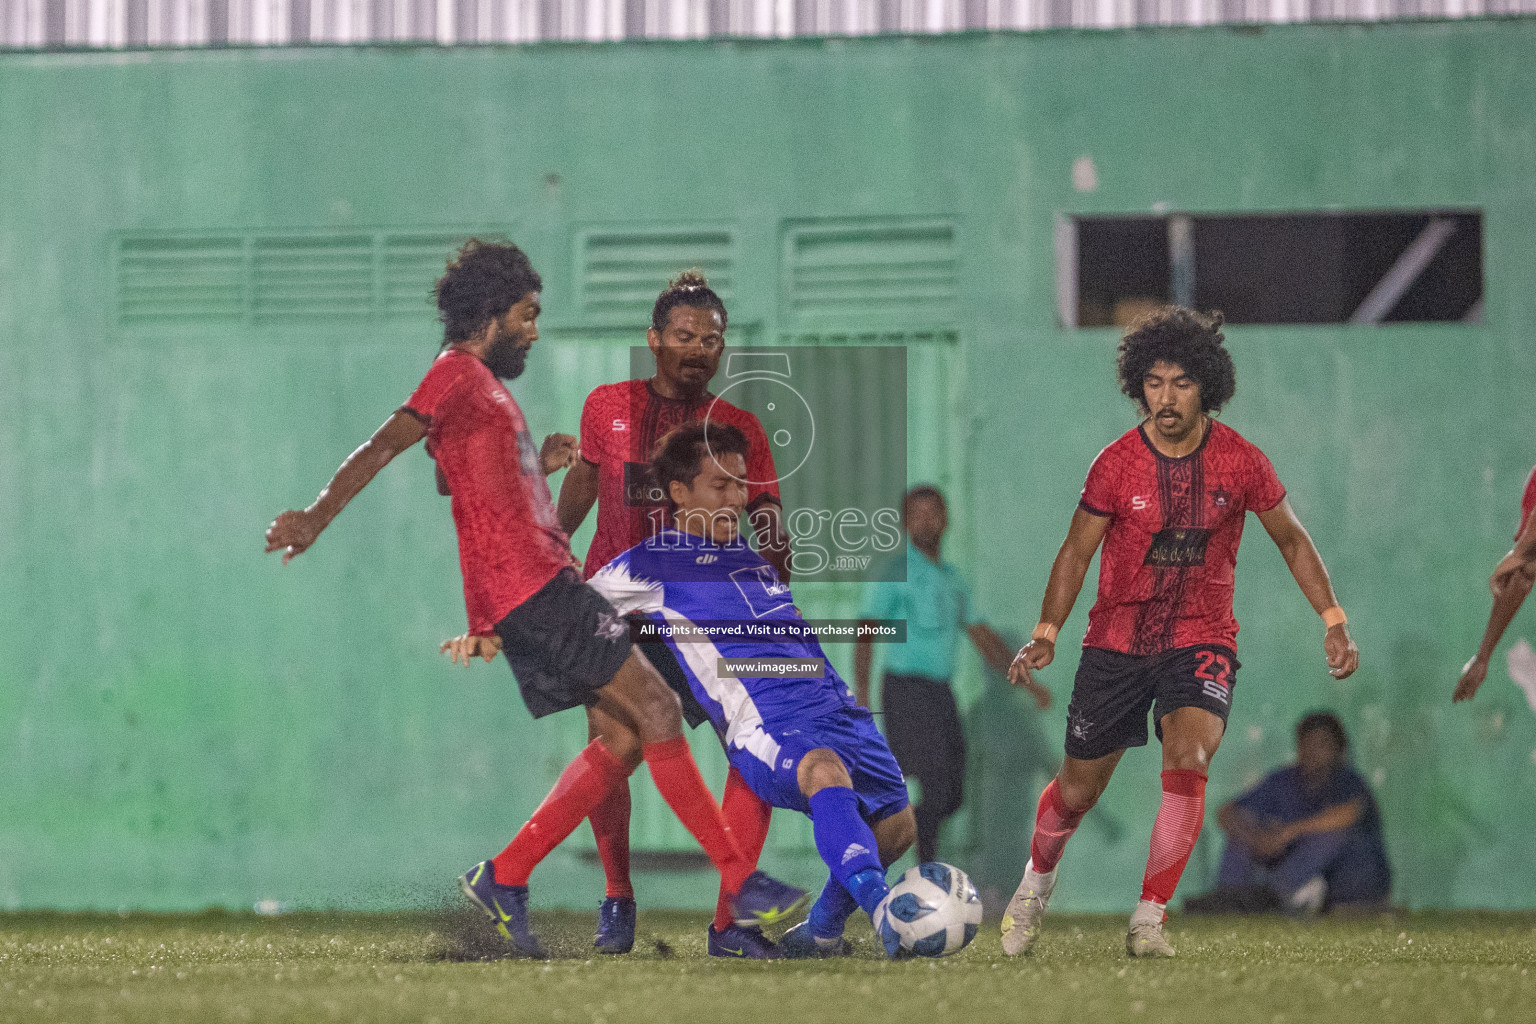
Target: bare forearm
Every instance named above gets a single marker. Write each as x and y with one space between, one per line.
1066 582
1504 608
863 658
1307 567
578 493
351 477
991 647
1331 819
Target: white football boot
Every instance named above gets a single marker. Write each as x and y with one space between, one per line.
1146 938
1021 919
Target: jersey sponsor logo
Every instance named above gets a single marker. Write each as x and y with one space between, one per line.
760 587
619 425
1177 546
1138 502
640 486
706 559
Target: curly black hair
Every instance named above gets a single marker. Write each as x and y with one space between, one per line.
689 289
483 281
1190 340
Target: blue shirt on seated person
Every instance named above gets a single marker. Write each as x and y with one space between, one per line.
1310 832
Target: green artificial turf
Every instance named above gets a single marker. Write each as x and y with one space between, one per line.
442 967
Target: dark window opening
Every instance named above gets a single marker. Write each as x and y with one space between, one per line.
1123 269
1316 268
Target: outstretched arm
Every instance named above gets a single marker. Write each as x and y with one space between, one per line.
1519 562
1505 604
295 530
1306 565
1066 582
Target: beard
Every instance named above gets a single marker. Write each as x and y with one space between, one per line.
506 359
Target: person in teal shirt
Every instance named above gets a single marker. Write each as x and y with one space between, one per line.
922 721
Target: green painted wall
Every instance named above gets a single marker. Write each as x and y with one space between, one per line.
184 722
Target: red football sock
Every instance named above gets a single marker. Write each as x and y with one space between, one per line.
682 787
1179 818
610 827
584 782
1054 824
747 817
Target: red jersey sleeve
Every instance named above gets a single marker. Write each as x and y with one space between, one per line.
439 382
1264 488
760 465
1527 504
592 432
1099 492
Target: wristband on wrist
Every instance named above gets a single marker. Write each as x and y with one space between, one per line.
1045 631
1334 617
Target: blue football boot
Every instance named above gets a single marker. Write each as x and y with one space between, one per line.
616 925
799 944
507 906
763 900
741 944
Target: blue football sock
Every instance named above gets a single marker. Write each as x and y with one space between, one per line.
831 910
846 843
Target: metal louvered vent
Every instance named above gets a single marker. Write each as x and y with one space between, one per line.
898 271
181 280
278 279
622 272
311 277
411 265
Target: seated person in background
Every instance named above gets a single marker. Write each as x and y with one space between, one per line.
1307 837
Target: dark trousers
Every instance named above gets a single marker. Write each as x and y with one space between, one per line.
922 725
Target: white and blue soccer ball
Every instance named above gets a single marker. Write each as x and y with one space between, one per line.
933 910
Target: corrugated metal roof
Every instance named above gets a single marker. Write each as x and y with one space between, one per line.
36 24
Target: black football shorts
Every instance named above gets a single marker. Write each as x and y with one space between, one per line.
564 644
1113 693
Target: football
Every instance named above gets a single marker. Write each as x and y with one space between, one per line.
932 911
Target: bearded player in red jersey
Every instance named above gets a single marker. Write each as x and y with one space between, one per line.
1511 583
565 643
1167 500
620 425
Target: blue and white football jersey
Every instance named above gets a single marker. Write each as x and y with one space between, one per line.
678 579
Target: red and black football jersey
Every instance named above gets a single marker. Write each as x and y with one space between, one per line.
620 425
510 542
1166 569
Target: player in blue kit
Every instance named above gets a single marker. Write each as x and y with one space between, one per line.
800 740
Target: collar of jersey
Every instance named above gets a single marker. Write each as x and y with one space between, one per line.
706 397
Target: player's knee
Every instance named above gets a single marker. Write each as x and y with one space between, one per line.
1079 795
661 713
821 769
622 745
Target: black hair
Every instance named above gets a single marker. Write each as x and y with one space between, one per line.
922 491
1326 721
1193 341
679 455
483 281
689 289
